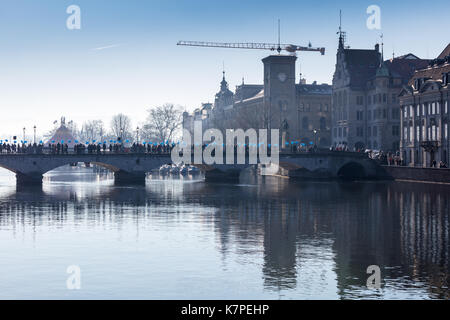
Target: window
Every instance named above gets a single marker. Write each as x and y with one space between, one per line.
340 132
375 131
446 131
359 115
418 133
305 123
424 131
395 131
395 113
369 100
384 114
394 98
411 111
359 131
323 124
369 131
384 98
359 100
369 115
326 106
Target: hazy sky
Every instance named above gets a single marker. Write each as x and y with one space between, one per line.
125 58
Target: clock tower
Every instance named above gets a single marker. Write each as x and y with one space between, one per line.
280 95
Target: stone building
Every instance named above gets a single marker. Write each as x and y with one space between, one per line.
365 97
301 111
425 114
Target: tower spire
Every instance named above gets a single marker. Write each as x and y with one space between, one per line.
340 32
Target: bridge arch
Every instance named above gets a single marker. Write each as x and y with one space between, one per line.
352 171
8 168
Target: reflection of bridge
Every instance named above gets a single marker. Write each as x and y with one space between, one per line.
127 168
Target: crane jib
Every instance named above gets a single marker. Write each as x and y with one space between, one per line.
250 45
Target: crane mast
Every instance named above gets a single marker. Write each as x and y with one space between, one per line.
250 45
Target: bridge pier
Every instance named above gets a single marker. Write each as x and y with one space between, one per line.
31 179
127 178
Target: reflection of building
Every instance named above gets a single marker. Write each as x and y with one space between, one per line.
425 114
296 109
365 91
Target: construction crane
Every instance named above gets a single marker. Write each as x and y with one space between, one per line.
248 45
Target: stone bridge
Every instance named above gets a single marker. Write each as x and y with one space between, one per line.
132 168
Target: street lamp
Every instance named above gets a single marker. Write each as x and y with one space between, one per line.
137 135
315 137
24 134
34 134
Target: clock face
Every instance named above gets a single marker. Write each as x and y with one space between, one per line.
282 77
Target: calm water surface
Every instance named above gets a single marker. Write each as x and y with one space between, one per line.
186 239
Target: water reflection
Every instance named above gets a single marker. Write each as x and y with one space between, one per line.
264 238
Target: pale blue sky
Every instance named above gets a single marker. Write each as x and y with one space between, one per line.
48 71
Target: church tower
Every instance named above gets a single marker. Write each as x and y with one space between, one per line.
279 94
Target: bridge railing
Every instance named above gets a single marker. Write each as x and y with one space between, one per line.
163 150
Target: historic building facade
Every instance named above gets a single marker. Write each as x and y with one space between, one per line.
366 110
301 111
425 104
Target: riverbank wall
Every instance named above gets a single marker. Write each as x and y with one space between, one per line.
430 175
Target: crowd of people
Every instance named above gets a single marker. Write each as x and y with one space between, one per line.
63 148
21 148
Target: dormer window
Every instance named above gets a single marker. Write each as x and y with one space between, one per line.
445 78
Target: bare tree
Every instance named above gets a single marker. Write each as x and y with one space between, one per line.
121 126
163 122
92 130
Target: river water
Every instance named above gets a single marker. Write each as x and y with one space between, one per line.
264 238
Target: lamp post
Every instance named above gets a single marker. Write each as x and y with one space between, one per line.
34 134
315 137
24 134
137 135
